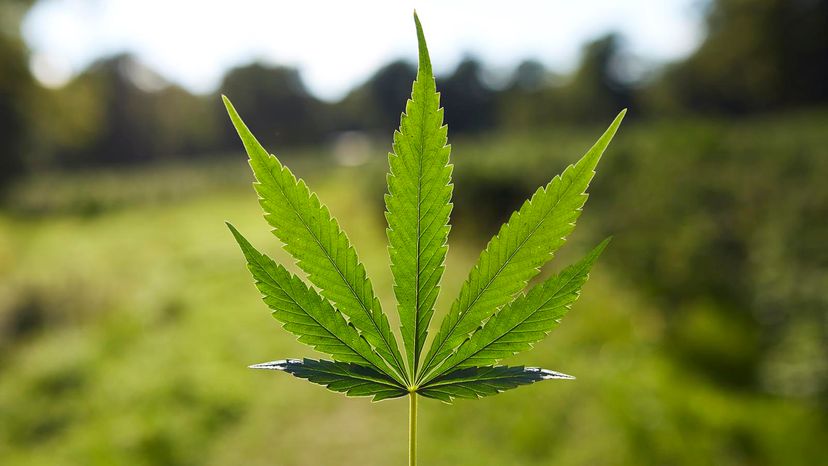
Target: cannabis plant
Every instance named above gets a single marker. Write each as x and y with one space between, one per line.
490 320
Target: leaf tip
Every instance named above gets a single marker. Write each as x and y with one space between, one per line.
425 60
546 374
234 116
603 244
227 104
619 118
246 247
279 365
232 229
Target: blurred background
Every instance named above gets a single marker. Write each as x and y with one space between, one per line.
127 317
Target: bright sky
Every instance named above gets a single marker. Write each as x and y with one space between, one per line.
337 44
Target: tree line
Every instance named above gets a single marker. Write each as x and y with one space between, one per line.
758 56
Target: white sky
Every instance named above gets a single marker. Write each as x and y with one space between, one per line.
337 44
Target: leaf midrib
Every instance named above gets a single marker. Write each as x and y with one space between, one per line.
483 378
353 375
419 242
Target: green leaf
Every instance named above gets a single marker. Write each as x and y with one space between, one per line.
517 252
351 379
526 320
490 319
312 236
418 205
477 382
306 314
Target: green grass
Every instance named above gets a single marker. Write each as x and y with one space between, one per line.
125 333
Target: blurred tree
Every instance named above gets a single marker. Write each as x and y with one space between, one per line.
758 55
376 104
124 133
119 111
390 89
530 75
524 102
188 125
16 89
597 89
276 105
469 102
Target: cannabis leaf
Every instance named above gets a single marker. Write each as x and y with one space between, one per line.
493 317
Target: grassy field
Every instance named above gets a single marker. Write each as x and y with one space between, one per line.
127 320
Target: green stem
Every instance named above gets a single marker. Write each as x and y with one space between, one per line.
412 429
